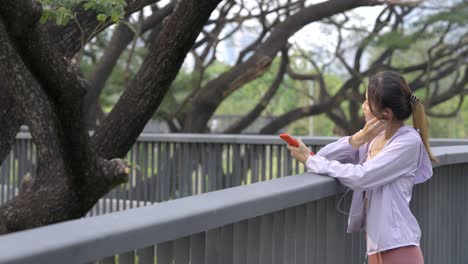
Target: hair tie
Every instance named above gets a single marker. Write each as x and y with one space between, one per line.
413 98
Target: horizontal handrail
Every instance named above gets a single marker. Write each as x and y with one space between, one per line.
249 139
448 155
213 138
88 239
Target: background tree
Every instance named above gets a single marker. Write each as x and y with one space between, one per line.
405 37
437 38
277 20
429 48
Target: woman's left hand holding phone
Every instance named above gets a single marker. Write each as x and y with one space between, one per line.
300 153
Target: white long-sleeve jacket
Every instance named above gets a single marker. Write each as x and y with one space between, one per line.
388 179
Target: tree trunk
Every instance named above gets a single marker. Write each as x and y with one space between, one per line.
69 177
11 120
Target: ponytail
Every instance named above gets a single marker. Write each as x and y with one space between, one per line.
422 125
389 89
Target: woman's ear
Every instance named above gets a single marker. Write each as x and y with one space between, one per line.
388 114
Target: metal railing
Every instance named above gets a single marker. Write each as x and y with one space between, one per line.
171 166
288 220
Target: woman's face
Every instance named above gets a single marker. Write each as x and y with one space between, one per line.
365 109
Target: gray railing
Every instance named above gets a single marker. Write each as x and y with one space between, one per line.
170 166
288 220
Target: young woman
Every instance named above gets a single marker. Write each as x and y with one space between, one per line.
381 163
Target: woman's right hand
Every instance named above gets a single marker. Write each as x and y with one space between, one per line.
372 129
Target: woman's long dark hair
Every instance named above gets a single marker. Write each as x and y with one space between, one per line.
389 89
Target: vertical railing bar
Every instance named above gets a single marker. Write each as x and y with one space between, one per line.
253 241
266 239
190 167
146 255
197 189
290 236
145 173
270 165
182 250
279 162
263 176
240 247
204 171
300 235
165 252
159 175
254 164
229 180
136 183
236 164
279 236
167 171
219 166
213 242
127 257
180 170
227 244
153 185
197 248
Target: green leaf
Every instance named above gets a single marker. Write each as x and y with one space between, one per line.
89 5
46 16
63 16
102 18
116 17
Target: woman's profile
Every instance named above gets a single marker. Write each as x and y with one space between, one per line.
381 163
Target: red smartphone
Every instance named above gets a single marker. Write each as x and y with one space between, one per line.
291 141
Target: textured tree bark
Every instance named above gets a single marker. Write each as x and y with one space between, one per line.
11 120
70 178
33 103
